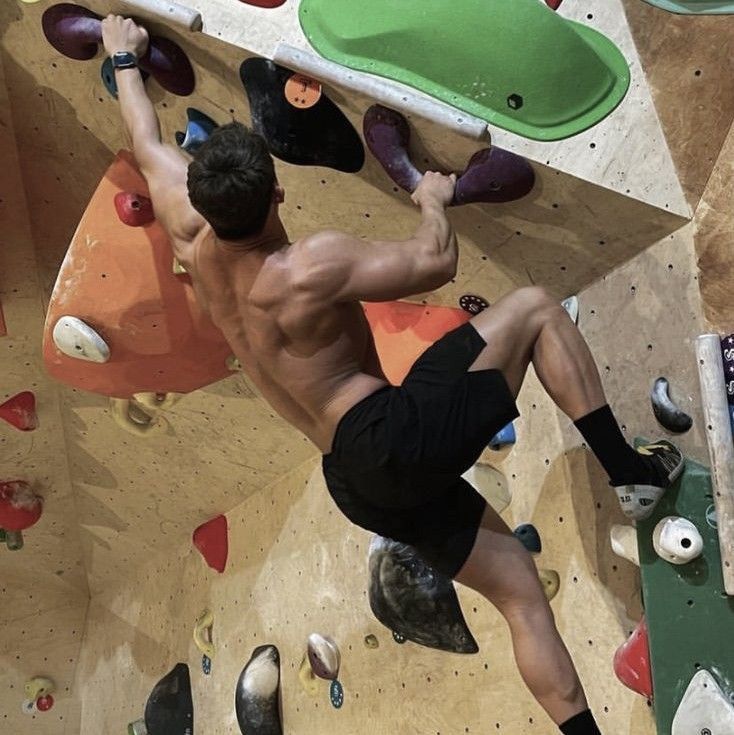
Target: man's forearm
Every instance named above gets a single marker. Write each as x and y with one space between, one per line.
138 113
436 230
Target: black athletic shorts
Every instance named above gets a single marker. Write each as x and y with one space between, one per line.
398 455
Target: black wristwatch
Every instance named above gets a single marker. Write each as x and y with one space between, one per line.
124 60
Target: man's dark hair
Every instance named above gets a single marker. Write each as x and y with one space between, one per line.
231 181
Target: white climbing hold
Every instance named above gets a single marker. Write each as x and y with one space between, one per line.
76 339
324 656
571 305
624 543
704 709
677 540
491 484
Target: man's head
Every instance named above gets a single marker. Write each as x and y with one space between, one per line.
232 182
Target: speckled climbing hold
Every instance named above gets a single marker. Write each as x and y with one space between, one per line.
134 210
490 483
624 543
257 693
571 305
317 136
308 679
434 46
20 411
670 416
632 662
336 694
203 633
45 703
76 32
528 535
170 708
206 665
503 438
198 129
704 709
77 339
677 540
370 641
399 638
727 354
211 540
473 304
551 582
38 686
324 656
492 174
107 72
414 600
20 507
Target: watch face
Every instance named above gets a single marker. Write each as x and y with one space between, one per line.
124 60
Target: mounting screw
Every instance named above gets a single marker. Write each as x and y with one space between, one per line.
515 101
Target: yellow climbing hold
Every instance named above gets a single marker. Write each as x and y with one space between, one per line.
203 633
308 679
551 582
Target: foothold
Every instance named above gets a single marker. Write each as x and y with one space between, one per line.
317 136
727 354
551 582
503 438
44 704
3 535
234 364
414 600
370 641
677 540
20 411
491 484
137 728
107 72
76 33
198 129
28 707
134 210
20 507
666 411
211 539
553 4
203 633
336 694
38 686
258 692
632 662
302 91
324 656
624 543
138 420
571 305
399 638
14 540
704 709
178 269
473 304
308 679
492 175
206 665
76 339
170 708
264 3
528 535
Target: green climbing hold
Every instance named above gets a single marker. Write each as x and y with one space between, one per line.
517 65
695 7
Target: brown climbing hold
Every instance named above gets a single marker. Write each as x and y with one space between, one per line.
20 411
134 210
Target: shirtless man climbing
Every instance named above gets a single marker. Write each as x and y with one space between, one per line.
393 456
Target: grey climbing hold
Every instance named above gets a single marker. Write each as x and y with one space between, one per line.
324 656
670 416
528 535
571 305
704 709
77 339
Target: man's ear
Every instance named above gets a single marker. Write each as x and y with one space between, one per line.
279 194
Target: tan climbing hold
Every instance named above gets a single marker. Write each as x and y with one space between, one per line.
704 709
491 485
178 269
370 641
624 543
135 419
307 678
551 582
234 364
203 633
77 339
677 540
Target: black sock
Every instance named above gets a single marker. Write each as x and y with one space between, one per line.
604 437
581 724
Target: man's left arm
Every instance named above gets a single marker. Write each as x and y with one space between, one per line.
163 166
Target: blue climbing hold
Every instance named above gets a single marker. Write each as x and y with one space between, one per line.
336 693
503 438
206 664
528 535
198 129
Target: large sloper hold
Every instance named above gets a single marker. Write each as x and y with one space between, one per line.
666 411
319 135
256 699
517 65
170 707
704 709
695 7
632 661
414 600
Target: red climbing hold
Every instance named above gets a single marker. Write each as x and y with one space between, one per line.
20 411
553 4
264 3
211 540
632 662
20 507
44 704
133 209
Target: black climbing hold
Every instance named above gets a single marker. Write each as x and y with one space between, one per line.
670 416
317 136
256 699
414 600
528 534
170 709
473 304
399 638
515 101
